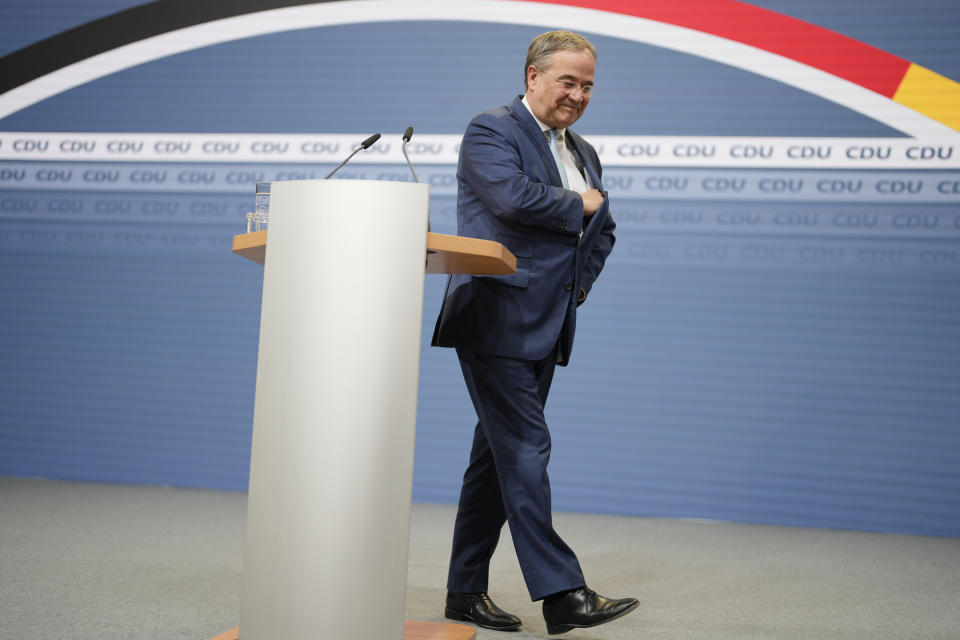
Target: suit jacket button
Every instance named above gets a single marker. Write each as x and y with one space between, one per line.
568 286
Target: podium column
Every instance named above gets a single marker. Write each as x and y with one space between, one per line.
331 466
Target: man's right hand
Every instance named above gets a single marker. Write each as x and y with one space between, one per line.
592 201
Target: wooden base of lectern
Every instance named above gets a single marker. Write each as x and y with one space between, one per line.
411 631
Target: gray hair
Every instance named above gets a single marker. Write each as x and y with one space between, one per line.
546 44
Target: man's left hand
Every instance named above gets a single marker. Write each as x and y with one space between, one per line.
592 201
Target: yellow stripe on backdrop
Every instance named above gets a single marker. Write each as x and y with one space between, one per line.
932 94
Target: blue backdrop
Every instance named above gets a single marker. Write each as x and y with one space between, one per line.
785 354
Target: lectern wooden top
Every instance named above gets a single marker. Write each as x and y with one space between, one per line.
445 253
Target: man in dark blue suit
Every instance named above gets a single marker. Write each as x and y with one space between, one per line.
529 182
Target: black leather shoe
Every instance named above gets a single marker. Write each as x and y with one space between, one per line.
479 609
580 608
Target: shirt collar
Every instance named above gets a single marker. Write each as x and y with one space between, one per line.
543 127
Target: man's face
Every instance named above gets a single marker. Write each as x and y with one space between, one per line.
549 100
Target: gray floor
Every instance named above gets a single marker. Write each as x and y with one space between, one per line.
96 562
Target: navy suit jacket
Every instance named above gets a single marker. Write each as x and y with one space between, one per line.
509 190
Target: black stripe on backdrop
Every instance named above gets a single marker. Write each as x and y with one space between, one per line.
118 29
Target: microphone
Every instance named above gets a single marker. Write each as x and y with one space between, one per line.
403 147
363 145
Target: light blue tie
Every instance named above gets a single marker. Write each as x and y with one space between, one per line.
552 135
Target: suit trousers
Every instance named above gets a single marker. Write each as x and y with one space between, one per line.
506 480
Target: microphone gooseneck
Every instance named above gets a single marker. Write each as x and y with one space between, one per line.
403 147
366 144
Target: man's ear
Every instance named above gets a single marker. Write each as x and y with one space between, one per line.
532 73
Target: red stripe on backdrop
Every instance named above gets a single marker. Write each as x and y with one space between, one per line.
815 46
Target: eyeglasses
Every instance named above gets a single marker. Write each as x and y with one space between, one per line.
570 86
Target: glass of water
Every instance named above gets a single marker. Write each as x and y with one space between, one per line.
263 198
258 219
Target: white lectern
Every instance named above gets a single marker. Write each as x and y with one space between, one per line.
331 470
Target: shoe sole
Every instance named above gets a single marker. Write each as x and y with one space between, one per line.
554 629
450 614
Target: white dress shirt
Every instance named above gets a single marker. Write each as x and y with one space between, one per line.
575 180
